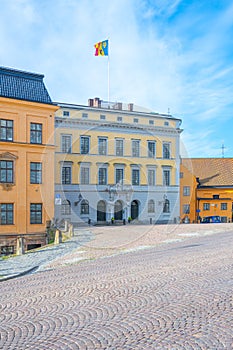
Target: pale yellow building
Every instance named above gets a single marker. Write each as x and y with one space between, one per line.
26 159
116 161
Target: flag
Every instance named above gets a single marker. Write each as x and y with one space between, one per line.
101 48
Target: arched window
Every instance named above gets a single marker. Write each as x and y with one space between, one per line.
84 207
65 208
151 206
166 206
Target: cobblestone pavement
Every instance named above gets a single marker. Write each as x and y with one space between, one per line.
171 296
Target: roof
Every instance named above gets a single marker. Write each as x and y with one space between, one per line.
23 86
211 171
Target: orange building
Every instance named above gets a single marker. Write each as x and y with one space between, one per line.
26 159
206 189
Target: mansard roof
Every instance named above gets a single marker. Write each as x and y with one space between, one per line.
23 85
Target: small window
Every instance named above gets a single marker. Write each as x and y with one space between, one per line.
216 196
206 206
84 174
119 144
66 208
151 149
119 175
151 122
35 173
84 145
166 123
66 113
66 143
223 206
135 120
36 133
119 119
102 176
102 116
151 206
135 177
166 150
35 213
181 175
186 191
66 175
84 115
135 148
6 130
166 177
102 145
84 207
6 171
6 214
151 177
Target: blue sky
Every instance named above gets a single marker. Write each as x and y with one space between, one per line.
164 54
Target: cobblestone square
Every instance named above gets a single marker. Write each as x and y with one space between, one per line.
153 290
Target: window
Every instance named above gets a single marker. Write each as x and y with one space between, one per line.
36 133
135 120
66 143
119 175
166 150
166 177
66 175
151 177
135 177
84 207
181 175
35 213
135 148
85 145
186 208
102 176
119 119
151 122
151 149
151 206
6 171
206 206
35 173
102 144
66 113
84 115
7 214
166 123
119 147
65 207
6 130
102 116
223 206
84 175
166 206
186 191
216 196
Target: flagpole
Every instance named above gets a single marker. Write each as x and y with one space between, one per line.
108 76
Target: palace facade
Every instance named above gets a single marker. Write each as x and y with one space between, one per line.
116 162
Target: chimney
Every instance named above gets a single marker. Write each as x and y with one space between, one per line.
130 107
97 102
90 102
119 106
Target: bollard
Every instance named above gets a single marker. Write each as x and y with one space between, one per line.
20 246
58 237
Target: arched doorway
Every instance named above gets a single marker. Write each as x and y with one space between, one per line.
101 211
134 209
118 210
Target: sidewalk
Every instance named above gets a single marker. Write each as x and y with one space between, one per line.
99 242
33 260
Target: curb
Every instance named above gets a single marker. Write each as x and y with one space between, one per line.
19 274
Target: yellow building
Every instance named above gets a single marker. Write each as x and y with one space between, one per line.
206 188
26 159
116 162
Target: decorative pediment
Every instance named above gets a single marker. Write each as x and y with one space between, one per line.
8 155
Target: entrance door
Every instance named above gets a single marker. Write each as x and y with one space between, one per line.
134 209
101 211
118 210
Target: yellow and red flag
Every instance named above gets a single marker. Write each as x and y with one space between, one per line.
101 48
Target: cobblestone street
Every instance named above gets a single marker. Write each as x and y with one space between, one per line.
175 295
